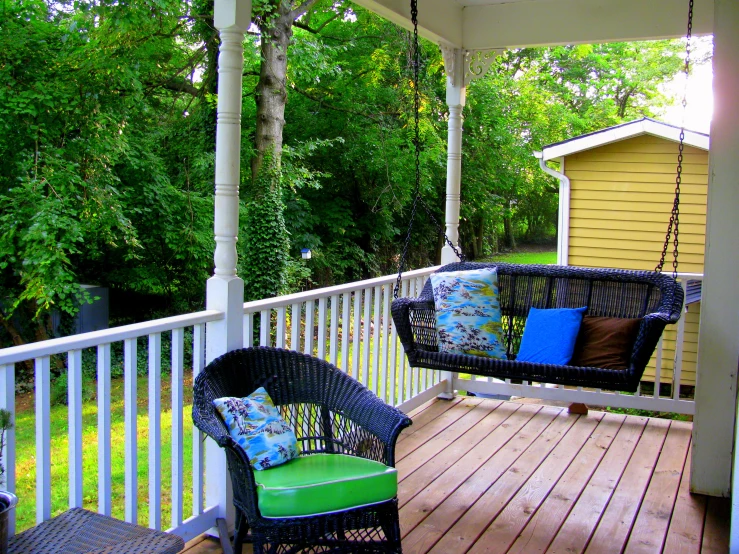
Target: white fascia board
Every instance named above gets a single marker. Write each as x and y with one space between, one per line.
439 21
552 22
622 132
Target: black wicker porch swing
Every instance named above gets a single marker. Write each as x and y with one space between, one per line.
652 299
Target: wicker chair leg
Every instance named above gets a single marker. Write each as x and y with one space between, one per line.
391 529
242 528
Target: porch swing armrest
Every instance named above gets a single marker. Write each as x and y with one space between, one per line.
410 313
650 331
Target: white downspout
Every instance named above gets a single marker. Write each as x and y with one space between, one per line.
563 218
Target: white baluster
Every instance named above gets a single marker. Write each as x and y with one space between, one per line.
356 332
386 388
74 415
43 440
396 386
345 331
198 363
155 431
376 339
130 415
248 330
333 342
309 311
280 338
366 341
264 326
322 328
295 317
178 351
105 480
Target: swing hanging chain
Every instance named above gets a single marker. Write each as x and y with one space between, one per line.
417 144
673 227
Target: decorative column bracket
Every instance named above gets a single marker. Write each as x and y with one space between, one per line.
476 63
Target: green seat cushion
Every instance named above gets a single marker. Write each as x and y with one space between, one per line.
322 483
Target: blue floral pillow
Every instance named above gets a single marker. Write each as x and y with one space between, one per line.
256 425
468 318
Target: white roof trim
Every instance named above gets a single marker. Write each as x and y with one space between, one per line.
644 126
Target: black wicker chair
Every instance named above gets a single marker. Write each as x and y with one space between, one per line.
331 413
654 297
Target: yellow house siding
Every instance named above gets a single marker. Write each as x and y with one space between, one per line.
620 200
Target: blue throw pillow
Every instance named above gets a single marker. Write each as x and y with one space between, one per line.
468 319
256 425
549 336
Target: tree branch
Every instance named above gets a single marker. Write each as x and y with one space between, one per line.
323 103
316 31
301 9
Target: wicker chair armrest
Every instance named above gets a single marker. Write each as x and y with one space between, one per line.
363 408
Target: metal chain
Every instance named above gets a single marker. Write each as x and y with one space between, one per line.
417 143
673 227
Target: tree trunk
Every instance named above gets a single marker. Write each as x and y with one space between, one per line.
271 92
508 238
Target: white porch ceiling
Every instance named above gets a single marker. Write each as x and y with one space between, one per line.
485 24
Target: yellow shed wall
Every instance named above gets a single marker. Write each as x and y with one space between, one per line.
620 200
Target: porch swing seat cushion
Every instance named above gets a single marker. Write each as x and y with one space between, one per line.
654 299
323 483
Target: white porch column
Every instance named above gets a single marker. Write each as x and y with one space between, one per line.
718 340
455 98
225 291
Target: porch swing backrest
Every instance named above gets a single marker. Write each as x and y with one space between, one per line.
654 297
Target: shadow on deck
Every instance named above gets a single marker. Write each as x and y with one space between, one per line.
488 476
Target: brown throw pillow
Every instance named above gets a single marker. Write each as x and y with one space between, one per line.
605 342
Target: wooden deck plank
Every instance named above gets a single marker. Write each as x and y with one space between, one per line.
579 525
686 526
423 434
543 527
652 522
489 504
455 503
506 526
716 530
411 484
434 409
618 518
511 477
430 449
427 492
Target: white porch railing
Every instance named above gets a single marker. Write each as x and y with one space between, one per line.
72 348
350 325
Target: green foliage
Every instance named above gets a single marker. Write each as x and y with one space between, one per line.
107 134
265 252
102 178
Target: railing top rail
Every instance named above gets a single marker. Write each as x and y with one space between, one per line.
105 336
279 301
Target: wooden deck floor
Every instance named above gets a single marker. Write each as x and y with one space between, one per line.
489 476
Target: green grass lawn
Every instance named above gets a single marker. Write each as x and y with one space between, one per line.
525 258
26 454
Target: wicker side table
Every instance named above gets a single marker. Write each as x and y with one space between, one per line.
78 531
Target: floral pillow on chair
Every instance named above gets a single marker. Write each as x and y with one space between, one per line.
256 425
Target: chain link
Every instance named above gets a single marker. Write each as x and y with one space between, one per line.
673 228
417 144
